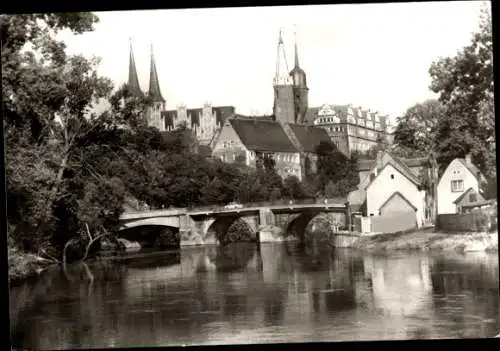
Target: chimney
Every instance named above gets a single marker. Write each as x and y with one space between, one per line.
468 160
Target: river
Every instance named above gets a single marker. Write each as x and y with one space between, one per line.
246 293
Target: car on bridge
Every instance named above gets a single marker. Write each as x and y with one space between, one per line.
233 205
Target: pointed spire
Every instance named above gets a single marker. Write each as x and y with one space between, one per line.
154 84
282 75
296 50
133 81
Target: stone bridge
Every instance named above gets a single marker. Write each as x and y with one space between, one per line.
209 225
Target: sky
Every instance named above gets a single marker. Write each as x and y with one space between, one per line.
372 55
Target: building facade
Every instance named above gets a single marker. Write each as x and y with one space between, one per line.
460 176
352 128
205 122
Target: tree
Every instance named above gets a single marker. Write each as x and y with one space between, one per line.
333 166
465 85
418 127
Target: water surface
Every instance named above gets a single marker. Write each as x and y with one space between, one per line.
245 293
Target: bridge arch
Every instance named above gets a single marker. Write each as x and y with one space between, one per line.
160 232
217 230
298 223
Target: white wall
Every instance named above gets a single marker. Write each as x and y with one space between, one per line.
384 187
455 171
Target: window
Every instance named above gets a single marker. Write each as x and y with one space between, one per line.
457 185
392 176
472 197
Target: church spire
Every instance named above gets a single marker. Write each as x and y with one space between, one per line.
133 81
154 85
296 50
282 74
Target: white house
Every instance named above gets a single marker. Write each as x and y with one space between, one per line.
460 176
394 190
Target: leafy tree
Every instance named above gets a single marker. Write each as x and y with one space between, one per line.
418 127
465 85
334 166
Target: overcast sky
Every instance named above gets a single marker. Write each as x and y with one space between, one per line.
376 55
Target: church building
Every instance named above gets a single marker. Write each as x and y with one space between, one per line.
204 122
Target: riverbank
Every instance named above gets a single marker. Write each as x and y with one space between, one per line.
24 265
429 240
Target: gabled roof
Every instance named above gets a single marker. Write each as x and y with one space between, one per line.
261 135
397 193
461 197
472 168
400 167
309 137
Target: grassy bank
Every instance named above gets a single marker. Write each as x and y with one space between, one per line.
429 240
24 265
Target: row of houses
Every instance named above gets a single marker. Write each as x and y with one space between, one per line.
397 188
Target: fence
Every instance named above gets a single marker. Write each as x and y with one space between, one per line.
476 221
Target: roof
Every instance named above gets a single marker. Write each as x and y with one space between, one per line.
309 137
472 168
481 203
154 84
357 197
133 81
401 168
262 135
461 197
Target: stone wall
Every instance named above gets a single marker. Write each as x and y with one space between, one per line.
477 221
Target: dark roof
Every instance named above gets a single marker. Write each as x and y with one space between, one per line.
309 137
261 135
311 114
415 162
154 84
133 81
460 198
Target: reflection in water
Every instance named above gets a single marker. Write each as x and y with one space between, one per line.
243 293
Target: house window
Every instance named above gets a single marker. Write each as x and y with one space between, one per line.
472 197
457 185
392 176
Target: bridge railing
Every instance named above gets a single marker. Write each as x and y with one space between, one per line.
281 202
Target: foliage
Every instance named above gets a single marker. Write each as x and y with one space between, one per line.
418 127
337 174
465 87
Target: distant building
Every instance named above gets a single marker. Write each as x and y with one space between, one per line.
247 140
461 176
205 122
351 128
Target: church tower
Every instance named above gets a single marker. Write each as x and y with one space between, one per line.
284 110
133 82
300 89
157 102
